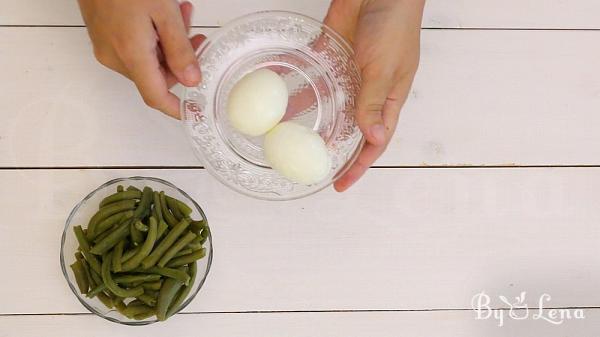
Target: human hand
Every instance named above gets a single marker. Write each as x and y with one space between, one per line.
385 36
147 42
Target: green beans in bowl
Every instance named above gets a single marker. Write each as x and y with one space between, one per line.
136 250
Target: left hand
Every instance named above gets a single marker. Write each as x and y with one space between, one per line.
385 36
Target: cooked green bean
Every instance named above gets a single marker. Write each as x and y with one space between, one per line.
147 299
142 316
194 246
80 277
129 254
174 208
86 269
96 275
106 300
157 206
167 242
169 218
166 296
205 233
136 236
184 208
117 256
111 240
110 222
198 226
183 294
112 285
145 249
175 248
125 195
133 188
183 260
183 252
162 228
168 272
84 245
120 188
105 212
136 309
144 207
140 226
151 285
98 289
131 278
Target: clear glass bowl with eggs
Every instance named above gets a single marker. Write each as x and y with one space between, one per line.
274 115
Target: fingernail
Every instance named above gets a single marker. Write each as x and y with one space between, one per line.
378 133
191 74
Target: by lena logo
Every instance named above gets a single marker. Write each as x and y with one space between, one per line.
517 309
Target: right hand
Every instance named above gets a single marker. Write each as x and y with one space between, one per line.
147 42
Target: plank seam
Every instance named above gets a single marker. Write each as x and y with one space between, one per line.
192 167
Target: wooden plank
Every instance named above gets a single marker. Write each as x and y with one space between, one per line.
480 98
400 239
575 14
346 324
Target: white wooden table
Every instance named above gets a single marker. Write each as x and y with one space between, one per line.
492 183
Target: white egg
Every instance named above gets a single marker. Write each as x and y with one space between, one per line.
257 102
297 153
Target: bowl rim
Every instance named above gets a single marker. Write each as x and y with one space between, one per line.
338 38
67 226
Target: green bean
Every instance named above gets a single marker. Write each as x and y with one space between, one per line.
152 285
157 207
185 209
167 242
194 246
175 248
111 240
168 272
147 299
205 234
86 269
125 195
142 316
131 278
129 254
96 275
136 236
183 260
97 290
140 226
107 211
117 256
166 296
144 207
84 245
110 222
112 285
80 277
135 309
169 218
153 293
183 294
120 188
174 207
183 252
145 249
198 226
162 228
106 300
133 188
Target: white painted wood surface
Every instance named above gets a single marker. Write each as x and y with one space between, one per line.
421 240
572 14
401 239
388 324
480 98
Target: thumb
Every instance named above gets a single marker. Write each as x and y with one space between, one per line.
178 51
374 91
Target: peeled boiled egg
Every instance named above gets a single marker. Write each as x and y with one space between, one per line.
257 102
297 153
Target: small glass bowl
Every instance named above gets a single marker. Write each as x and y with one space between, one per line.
323 81
85 209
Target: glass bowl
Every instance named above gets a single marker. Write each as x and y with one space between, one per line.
84 210
322 78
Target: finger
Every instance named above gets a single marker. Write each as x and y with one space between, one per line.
375 87
196 40
366 158
187 9
176 46
342 17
